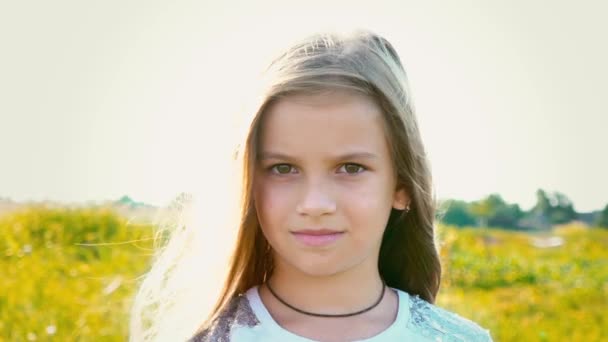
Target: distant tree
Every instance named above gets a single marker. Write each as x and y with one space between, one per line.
486 208
562 210
125 200
554 208
506 216
128 201
457 214
542 206
602 219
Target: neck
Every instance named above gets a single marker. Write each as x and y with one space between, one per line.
339 293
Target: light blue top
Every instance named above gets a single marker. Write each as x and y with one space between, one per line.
248 320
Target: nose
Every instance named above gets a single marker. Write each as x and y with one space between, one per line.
316 200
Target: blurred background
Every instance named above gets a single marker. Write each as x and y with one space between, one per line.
112 113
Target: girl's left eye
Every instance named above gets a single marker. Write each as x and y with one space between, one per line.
352 169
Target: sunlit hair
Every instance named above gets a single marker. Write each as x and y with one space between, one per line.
361 62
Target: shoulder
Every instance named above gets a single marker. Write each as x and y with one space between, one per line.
238 312
438 324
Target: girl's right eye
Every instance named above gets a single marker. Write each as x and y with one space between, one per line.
281 169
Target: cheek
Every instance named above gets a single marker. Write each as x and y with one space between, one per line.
272 204
368 208
369 196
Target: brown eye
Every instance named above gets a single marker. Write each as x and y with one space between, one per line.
353 168
282 169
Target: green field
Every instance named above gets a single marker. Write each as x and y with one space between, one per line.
70 275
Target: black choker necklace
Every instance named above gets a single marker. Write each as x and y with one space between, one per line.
328 315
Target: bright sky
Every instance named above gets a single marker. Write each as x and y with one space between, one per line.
101 99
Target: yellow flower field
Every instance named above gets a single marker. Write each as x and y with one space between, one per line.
70 275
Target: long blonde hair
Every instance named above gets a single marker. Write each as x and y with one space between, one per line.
363 62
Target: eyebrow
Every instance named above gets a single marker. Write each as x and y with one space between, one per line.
348 156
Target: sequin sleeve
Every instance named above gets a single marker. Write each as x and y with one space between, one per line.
237 313
437 324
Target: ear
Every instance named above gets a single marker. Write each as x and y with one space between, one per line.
401 200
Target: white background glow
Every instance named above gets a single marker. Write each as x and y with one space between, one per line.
102 99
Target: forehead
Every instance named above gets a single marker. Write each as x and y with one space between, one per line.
323 125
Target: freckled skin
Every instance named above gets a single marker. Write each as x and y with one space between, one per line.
317 188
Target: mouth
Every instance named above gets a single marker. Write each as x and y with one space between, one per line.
317 237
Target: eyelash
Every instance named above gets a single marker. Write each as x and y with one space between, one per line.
272 168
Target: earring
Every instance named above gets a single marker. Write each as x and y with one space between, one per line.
407 209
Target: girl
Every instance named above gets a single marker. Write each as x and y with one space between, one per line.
336 236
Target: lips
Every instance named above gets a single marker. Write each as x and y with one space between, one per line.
317 237
322 231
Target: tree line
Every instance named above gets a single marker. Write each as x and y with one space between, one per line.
493 211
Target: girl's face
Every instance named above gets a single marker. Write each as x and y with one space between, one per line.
324 182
